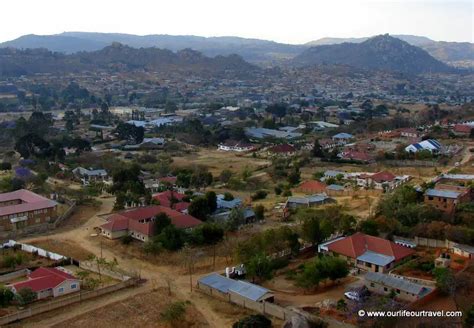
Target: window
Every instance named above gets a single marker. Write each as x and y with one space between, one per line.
398 291
385 289
372 284
430 197
73 286
61 290
37 220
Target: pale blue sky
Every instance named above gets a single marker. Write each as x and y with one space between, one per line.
290 21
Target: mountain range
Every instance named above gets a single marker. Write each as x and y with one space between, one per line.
382 52
117 58
252 50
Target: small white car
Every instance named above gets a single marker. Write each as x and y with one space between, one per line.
352 296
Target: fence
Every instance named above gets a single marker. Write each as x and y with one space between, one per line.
425 282
103 269
411 163
272 309
13 275
64 301
429 242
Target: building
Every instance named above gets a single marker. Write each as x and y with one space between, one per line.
147 144
342 138
358 156
262 133
139 222
367 252
311 187
446 200
382 180
464 250
409 133
430 145
238 290
282 150
308 201
237 146
462 130
48 282
227 204
172 199
23 208
87 176
404 290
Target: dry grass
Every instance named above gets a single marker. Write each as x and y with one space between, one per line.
63 247
143 310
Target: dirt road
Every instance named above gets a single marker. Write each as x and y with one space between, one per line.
156 275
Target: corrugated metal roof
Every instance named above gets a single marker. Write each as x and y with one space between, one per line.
376 258
225 285
396 283
442 193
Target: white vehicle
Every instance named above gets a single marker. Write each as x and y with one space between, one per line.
352 296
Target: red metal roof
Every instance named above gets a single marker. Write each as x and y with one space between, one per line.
133 216
383 176
165 197
462 128
284 148
43 278
312 186
29 202
357 244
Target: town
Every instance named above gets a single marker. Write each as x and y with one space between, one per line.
148 187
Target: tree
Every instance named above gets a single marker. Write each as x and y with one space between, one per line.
277 110
259 267
311 230
369 227
26 295
31 145
161 221
228 196
130 132
317 150
171 238
6 296
445 281
469 314
225 176
211 201
321 268
199 208
236 219
294 177
253 321
259 212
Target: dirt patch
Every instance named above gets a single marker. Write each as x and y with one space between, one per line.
63 247
80 216
143 310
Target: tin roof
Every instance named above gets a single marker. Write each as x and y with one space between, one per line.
396 283
442 193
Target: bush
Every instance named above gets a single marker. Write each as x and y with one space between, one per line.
26 295
4 166
174 312
126 239
253 321
6 296
260 194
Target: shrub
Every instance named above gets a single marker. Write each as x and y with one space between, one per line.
26 295
253 321
174 312
260 194
126 239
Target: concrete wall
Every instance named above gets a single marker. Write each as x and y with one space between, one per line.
63 301
105 270
13 275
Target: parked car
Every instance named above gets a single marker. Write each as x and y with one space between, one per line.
354 296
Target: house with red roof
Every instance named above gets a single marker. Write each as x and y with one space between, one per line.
311 187
382 180
283 150
22 208
139 222
48 282
367 252
463 130
172 199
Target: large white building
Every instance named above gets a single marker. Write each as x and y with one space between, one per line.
431 145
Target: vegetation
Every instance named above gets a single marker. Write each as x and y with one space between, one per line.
253 321
320 269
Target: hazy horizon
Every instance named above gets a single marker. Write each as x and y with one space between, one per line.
294 22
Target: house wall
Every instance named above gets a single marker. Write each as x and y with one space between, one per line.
114 235
44 294
36 217
384 290
66 287
444 204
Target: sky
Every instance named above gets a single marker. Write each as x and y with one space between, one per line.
289 21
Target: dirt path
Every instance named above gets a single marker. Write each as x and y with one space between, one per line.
154 274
